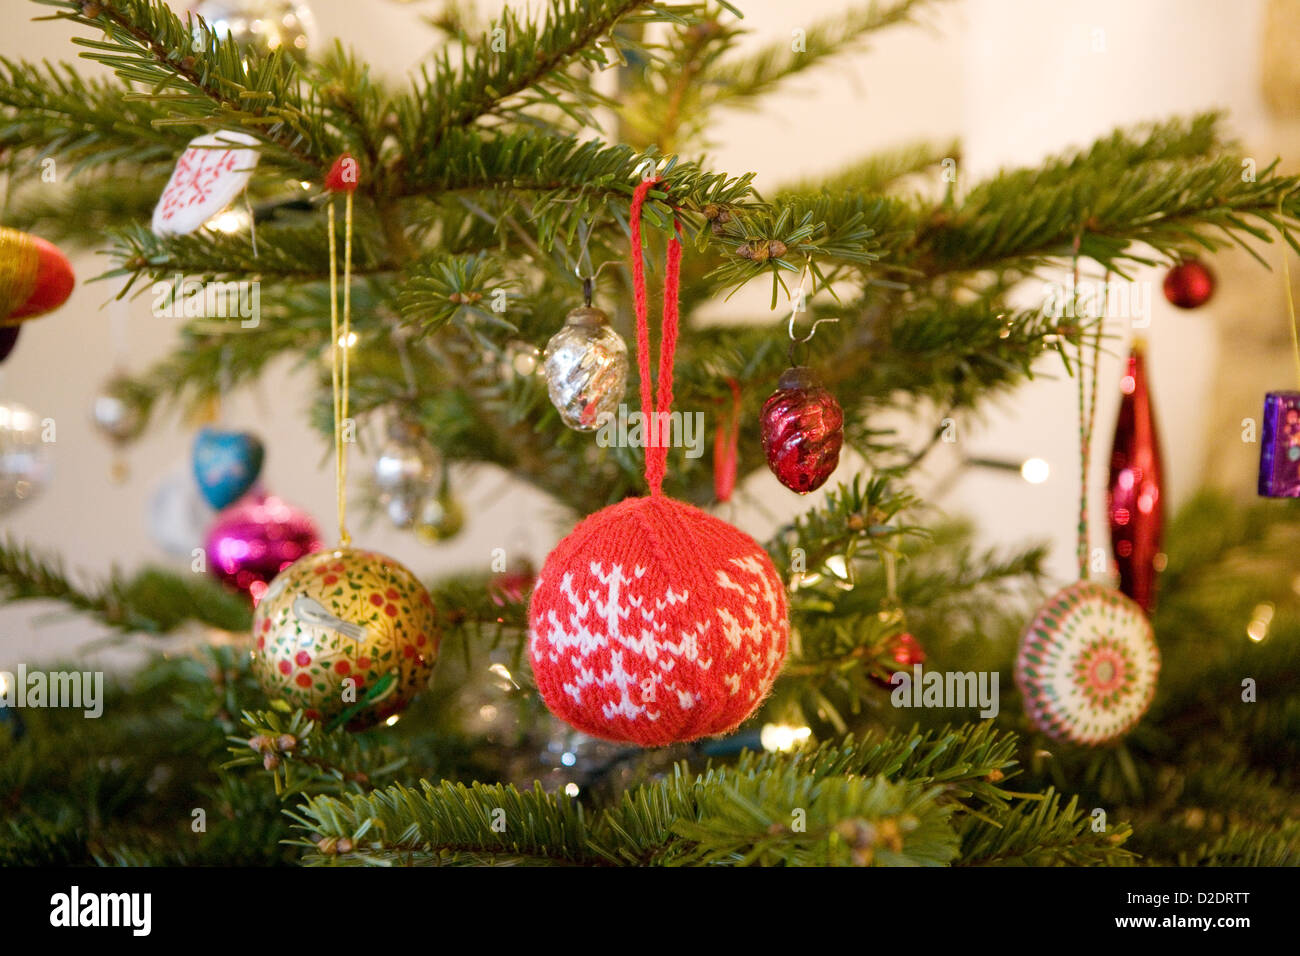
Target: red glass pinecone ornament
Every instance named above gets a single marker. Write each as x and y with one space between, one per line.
1189 284
803 429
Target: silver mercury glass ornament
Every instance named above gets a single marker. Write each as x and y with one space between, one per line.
586 369
405 472
117 417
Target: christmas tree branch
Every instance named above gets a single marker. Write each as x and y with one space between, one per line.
786 818
518 59
86 208
443 824
152 601
885 800
1042 832
879 172
205 79
51 111
1165 185
1248 846
284 253
302 757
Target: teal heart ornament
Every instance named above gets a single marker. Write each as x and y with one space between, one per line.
226 464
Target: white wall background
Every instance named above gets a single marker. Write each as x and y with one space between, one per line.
1016 79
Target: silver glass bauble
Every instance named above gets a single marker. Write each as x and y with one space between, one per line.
586 369
403 508
117 417
405 472
24 456
262 25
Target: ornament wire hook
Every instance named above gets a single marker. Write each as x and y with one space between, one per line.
799 304
584 256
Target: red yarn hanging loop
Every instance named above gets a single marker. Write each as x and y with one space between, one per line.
656 415
654 622
726 441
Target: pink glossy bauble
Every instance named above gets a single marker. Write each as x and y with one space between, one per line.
255 539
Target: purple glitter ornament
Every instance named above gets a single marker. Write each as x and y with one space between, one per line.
1279 454
257 537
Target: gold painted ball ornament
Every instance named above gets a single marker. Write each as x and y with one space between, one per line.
345 615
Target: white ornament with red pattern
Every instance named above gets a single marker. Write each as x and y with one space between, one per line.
1087 665
209 176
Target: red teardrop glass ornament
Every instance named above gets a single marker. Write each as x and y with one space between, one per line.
1135 497
803 430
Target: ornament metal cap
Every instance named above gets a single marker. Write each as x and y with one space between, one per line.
799 376
587 316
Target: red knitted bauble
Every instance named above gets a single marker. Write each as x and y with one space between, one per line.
654 622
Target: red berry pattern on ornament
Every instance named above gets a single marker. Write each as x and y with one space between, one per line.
207 178
1088 665
654 622
339 615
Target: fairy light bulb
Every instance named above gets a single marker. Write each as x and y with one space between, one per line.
782 737
1035 471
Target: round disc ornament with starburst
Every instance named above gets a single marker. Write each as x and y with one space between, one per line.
1087 665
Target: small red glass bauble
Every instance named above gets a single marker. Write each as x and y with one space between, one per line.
802 430
902 652
905 650
1189 284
